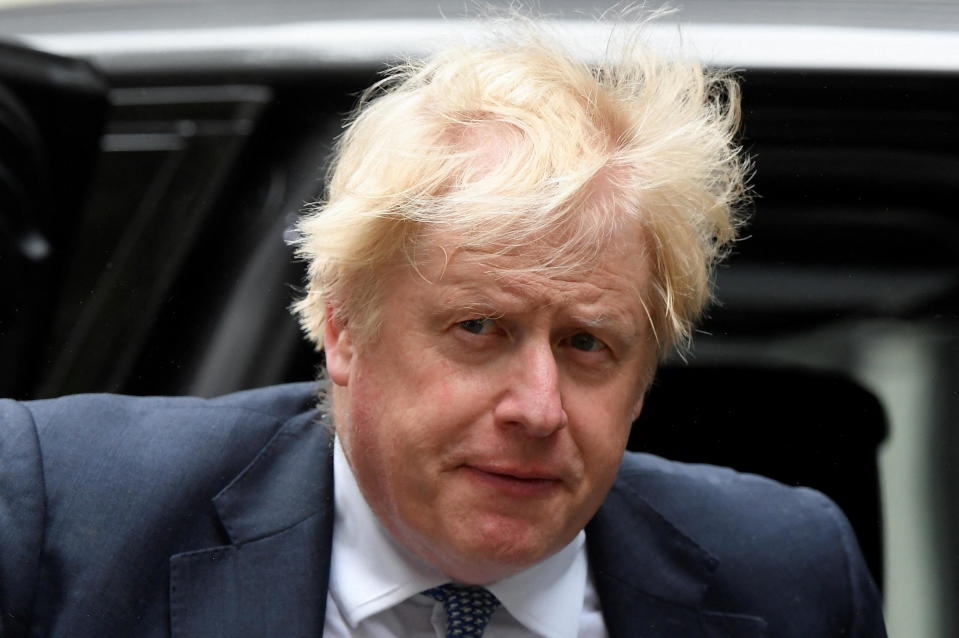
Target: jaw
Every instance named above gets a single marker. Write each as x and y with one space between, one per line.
475 542
491 551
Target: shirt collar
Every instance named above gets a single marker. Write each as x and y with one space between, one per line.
548 597
370 572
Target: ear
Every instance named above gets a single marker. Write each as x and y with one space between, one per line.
338 345
637 408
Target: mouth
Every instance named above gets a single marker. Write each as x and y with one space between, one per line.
516 483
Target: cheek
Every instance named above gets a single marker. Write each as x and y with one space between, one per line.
370 430
440 400
395 420
600 427
604 407
603 454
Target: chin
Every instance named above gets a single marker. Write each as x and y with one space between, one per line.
491 550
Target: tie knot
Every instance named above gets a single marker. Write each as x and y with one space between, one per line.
468 608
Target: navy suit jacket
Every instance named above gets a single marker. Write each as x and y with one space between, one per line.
151 517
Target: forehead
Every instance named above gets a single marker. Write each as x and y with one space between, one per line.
613 282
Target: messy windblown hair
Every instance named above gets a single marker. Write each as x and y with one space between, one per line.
513 142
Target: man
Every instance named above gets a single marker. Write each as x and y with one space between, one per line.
510 242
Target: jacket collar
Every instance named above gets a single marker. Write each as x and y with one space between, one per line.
278 513
651 576
289 480
272 579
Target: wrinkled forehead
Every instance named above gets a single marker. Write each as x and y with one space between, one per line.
620 261
570 247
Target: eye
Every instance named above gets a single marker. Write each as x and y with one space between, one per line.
586 342
480 326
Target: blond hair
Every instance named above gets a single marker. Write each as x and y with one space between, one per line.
510 142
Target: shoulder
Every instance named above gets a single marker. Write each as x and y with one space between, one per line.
110 441
116 425
779 551
690 492
96 451
106 437
724 510
80 476
110 410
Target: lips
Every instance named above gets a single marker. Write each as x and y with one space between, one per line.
523 483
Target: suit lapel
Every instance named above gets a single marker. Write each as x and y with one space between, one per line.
651 577
272 578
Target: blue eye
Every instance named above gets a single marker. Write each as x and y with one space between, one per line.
586 342
479 326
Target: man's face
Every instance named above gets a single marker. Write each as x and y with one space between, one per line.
486 420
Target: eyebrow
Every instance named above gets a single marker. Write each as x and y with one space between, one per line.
601 320
496 303
471 299
614 322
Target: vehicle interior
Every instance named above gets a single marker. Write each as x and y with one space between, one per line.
150 177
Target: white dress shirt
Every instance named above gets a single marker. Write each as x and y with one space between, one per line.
375 584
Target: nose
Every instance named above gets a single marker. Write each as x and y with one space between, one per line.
532 399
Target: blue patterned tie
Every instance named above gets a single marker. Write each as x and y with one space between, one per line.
467 608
